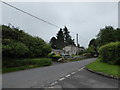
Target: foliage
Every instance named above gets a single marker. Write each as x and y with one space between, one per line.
62 39
93 43
56 57
8 63
86 55
14 49
107 35
50 55
17 43
67 37
23 64
53 42
98 66
81 52
92 50
110 53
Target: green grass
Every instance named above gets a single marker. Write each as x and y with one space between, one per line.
23 64
104 68
13 69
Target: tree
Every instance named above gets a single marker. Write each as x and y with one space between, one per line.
93 42
60 39
67 37
53 42
17 43
106 35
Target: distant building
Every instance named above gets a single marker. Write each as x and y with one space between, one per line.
70 49
57 51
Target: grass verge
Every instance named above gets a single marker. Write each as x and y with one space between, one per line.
108 69
23 64
72 60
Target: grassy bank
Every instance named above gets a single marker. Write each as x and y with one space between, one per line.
104 68
23 64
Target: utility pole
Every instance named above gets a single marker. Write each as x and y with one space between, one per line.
77 39
77 42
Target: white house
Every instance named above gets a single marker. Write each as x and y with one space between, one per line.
57 51
71 50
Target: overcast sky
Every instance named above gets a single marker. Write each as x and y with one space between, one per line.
84 18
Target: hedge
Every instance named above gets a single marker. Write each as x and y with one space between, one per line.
110 53
23 62
56 57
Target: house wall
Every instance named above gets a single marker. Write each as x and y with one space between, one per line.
71 50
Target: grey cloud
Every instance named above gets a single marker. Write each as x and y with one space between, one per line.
85 18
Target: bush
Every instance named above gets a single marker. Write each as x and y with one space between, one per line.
87 55
16 43
24 62
12 48
56 57
110 53
81 52
50 55
43 61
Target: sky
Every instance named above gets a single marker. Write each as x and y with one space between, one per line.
84 18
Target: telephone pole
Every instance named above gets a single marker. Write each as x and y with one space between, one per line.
77 42
77 38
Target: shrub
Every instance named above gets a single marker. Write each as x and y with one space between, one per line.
56 57
50 55
13 48
110 53
87 55
16 43
43 61
23 62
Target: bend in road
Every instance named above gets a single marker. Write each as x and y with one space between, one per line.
40 77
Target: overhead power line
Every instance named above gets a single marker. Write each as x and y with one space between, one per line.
30 14
37 17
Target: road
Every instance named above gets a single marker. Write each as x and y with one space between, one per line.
45 76
84 79
40 77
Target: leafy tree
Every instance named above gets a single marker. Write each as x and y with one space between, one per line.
17 43
117 34
14 49
53 42
67 37
93 43
106 35
62 39
92 47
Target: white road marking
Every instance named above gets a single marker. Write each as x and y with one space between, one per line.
53 83
61 79
80 69
73 73
68 75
